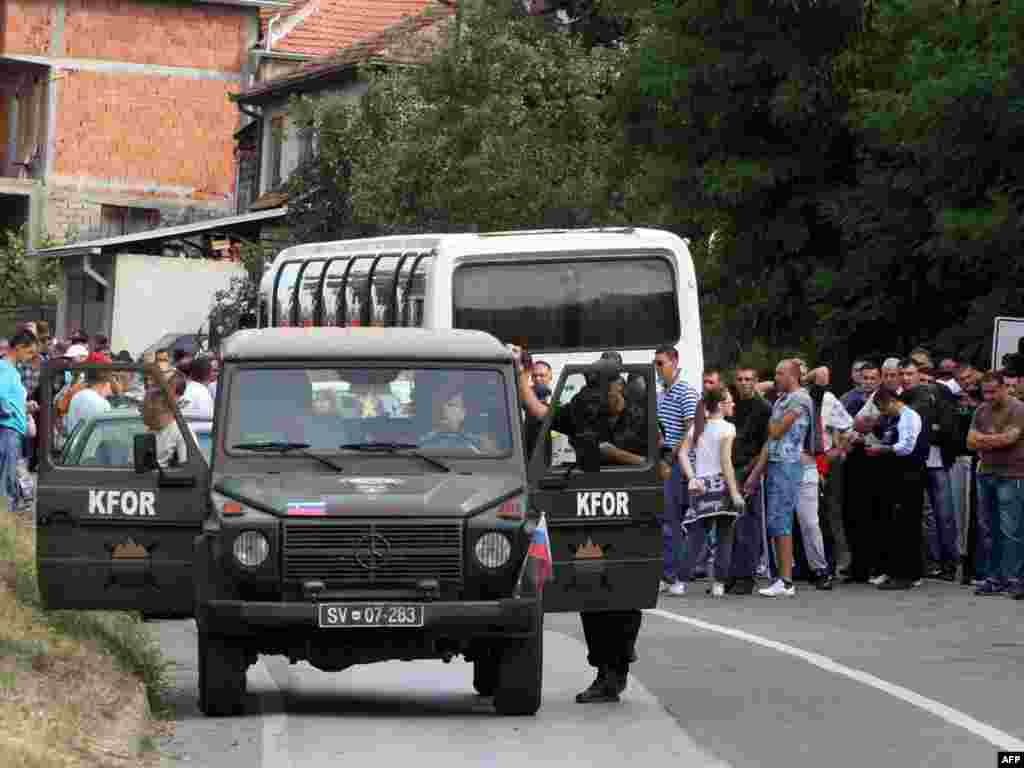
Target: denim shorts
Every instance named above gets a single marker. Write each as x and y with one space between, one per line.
782 489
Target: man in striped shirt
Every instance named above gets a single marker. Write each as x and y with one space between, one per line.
677 406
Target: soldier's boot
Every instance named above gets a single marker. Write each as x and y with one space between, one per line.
619 676
603 689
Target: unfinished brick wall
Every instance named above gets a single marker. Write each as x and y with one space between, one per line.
130 135
28 27
169 136
165 33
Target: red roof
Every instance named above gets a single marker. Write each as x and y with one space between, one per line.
318 28
409 41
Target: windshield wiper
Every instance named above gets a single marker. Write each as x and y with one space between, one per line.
400 449
281 447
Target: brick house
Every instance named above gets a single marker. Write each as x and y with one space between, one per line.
321 46
115 114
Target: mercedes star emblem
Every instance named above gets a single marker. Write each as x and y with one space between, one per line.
372 551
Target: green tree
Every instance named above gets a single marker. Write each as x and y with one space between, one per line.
505 127
931 221
734 127
26 281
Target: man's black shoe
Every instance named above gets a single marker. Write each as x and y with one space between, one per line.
1019 595
894 584
617 679
824 581
603 689
741 587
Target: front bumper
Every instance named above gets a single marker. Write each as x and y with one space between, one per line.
507 618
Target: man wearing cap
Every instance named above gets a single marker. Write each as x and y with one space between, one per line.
76 354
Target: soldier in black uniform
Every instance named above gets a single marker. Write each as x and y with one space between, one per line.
616 425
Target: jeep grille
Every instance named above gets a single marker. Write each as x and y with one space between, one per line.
362 553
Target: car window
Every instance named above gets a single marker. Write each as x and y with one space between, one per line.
109 444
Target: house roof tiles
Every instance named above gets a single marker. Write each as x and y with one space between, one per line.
318 28
407 41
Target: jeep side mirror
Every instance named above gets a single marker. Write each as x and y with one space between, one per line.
144 453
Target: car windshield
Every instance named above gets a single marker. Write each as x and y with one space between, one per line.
440 411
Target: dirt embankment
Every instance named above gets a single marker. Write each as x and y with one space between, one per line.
71 683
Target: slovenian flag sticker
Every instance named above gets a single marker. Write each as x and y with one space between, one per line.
307 508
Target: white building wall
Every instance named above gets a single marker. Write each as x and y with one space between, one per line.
291 147
154 295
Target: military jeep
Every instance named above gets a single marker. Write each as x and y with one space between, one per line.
368 498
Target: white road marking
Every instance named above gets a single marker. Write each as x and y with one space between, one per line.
275 751
994 736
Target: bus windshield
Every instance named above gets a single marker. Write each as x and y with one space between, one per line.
626 303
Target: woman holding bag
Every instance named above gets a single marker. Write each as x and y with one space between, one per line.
715 498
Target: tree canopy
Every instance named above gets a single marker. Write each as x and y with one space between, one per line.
845 171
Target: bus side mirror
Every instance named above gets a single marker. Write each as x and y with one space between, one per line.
144 453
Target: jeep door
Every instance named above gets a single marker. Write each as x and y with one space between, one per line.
603 521
107 536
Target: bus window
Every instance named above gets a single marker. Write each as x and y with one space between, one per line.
356 289
622 303
335 271
307 294
415 285
380 291
283 295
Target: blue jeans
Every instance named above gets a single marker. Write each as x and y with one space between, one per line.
782 489
940 524
677 499
10 452
1001 507
749 536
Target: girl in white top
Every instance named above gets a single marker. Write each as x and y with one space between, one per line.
159 417
715 498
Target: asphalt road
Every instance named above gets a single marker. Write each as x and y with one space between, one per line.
855 677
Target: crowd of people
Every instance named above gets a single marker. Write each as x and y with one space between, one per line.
876 484
175 377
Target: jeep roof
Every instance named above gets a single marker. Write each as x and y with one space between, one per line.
399 344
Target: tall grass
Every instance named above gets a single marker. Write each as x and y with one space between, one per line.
123 636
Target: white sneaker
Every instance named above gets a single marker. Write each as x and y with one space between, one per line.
879 580
917 583
778 589
718 589
678 589
663 586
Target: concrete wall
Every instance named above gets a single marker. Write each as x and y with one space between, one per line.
140 108
157 295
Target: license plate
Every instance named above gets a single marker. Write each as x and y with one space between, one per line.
391 615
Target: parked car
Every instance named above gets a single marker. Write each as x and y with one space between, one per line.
192 343
107 440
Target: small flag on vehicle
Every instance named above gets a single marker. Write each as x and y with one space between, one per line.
539 552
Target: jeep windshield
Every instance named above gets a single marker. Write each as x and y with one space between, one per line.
434 411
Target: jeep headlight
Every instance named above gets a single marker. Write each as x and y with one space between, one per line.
493 550
251 548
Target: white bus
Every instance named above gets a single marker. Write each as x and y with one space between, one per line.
564 295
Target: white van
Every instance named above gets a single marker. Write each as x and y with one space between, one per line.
564 295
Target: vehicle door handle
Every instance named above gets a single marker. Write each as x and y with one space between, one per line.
176 480
46 518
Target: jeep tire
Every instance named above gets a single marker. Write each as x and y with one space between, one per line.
222 667
520 674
